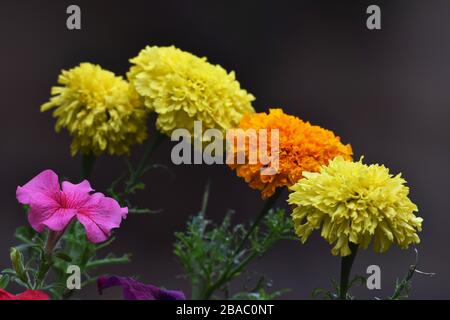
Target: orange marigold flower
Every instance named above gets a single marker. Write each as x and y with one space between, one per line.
302 147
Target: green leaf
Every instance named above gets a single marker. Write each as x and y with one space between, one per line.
4 280
21 283
212 255
8 271
139 186
76 249
357 280
17 264
63 256
25 234
403 287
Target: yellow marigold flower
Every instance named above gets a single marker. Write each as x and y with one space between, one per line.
101 111
302 147
355 202
182 88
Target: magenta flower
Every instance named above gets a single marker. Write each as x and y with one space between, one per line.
135 290
53 208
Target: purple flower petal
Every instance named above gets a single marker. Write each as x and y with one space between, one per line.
135 290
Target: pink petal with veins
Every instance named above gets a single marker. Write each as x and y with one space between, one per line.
53 208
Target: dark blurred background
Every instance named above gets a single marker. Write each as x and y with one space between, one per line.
386 92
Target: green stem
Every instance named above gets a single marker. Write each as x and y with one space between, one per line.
197 289
87 165
346 268
401 288
107 261
52 240
44 267
205 199
225 277
46 257
197 283
265 210
69 293
266 244
141 168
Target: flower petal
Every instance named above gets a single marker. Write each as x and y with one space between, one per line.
82 187
94 232
39 214
40 189
135 290
59 219
5 295
26 295
99 216
75 196
32 295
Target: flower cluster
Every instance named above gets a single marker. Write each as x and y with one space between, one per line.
302 147
354 202
101 111
181 87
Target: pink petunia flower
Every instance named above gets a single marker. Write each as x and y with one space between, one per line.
54 208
